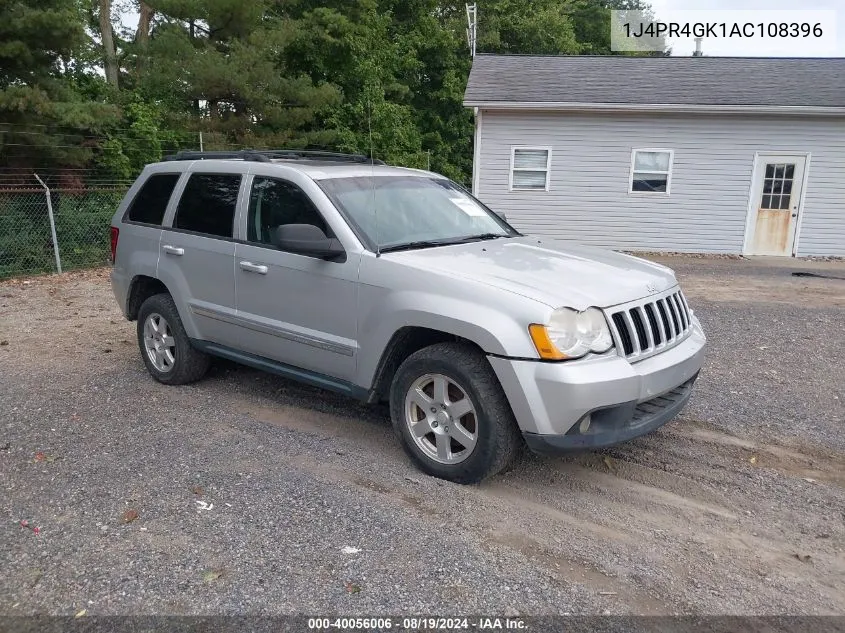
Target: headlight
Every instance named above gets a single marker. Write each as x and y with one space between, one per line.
572 334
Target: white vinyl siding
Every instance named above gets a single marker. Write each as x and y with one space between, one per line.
530 168
713 159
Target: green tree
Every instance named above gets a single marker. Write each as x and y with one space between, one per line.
219 65
354 49
592 22
43 117
431 37
540 27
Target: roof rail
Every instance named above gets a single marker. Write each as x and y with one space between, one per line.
267 155
246 154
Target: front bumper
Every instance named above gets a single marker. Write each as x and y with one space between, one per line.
614 425
623 400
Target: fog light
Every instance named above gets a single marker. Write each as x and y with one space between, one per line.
585 423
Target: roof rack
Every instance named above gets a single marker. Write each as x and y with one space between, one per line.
268 155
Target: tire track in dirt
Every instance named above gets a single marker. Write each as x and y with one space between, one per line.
607 508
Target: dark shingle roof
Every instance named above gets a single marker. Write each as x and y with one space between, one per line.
708 81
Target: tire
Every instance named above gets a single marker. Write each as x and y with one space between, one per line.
179 363
467 374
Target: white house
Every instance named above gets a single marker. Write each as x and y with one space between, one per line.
695 154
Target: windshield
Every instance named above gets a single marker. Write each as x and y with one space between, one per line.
413 211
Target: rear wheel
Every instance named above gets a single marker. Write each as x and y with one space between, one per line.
448 408
165 346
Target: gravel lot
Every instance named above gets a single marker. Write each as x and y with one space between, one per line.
240 493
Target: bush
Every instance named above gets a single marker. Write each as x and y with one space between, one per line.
25 243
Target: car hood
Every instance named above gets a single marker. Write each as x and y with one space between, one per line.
553 272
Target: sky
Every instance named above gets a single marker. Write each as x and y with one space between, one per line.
756 11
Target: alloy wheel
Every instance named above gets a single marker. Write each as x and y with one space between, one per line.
159 343
441 418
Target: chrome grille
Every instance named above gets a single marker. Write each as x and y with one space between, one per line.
651 325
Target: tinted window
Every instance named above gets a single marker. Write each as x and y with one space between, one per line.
150 203
274 203
208 204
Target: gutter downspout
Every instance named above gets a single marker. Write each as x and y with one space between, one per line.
476 154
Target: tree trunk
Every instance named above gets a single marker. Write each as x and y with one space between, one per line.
142 34
196 103
145 18
109 57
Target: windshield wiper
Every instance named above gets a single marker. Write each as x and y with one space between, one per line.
407 246
444 242
480 237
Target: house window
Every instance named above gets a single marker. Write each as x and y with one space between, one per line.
530 168
651 170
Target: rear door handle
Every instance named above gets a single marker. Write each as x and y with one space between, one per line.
254 268
173 250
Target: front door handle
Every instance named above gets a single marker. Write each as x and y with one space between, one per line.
173 250
254 268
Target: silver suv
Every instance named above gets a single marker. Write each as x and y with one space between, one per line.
397 285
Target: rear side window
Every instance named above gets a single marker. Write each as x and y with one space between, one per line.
208 204
150 202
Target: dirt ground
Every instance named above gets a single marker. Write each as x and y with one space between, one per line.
738 507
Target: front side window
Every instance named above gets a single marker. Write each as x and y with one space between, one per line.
395 211
530 168
651 170
150 202
208 204
274 203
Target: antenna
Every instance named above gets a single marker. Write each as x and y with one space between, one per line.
472 27
370 127
698 52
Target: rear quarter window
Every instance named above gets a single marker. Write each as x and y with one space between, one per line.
150 202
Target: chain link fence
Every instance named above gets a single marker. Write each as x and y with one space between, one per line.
81 217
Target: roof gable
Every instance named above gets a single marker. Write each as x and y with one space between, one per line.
744 82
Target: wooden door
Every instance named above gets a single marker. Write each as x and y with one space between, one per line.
776 201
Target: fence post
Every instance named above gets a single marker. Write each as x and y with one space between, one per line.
52 224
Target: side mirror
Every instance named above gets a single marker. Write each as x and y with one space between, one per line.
306 239
501 215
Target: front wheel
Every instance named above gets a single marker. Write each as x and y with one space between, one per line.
449 410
